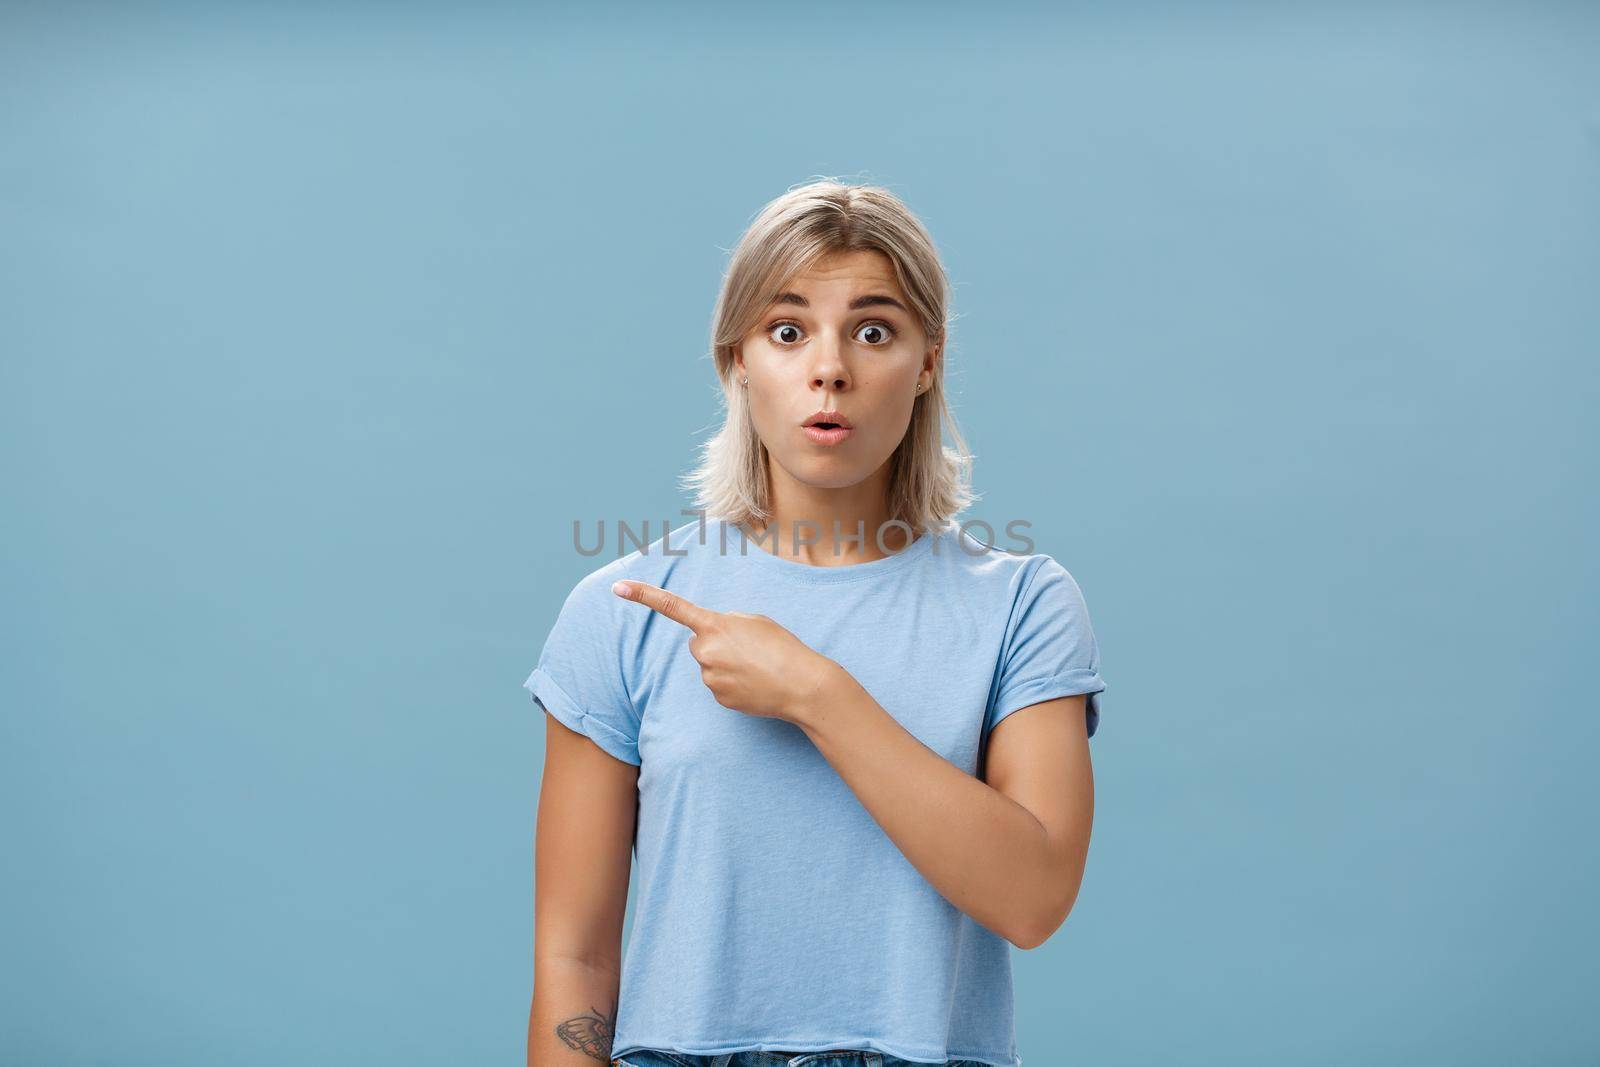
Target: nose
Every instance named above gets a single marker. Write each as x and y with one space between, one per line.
829 370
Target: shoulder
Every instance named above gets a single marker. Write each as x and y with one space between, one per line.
1043 575
1033 592
976 556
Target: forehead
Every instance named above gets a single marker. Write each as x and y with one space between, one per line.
860 269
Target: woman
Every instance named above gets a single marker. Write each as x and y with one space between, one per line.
801 713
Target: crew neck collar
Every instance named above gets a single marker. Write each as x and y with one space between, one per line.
740 546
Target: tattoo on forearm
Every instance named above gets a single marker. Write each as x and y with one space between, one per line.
589 1034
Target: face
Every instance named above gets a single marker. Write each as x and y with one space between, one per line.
841 338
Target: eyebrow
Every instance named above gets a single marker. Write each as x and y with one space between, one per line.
870 300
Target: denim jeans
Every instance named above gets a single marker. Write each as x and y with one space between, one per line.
652 1058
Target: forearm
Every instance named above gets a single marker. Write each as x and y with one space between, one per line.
985 853
573 1015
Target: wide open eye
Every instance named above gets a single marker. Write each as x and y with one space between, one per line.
884 332
876 333
793 332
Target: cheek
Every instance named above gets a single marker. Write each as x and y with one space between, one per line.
760 412
766 420
891 398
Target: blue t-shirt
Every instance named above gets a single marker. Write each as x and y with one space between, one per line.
772 912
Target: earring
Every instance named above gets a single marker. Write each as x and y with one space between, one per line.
745 382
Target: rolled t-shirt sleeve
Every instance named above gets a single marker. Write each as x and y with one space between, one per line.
1050 649
579 677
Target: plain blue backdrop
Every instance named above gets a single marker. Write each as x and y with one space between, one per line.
320 326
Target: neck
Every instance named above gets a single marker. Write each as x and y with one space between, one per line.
835 527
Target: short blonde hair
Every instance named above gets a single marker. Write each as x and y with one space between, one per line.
929 483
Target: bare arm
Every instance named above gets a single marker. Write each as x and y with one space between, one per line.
1007 848
588 804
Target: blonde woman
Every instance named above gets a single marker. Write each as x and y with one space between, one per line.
845 739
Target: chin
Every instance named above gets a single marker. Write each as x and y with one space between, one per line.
825 473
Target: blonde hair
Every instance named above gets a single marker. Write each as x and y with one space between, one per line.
929 483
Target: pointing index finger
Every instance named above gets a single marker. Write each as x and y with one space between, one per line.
673 606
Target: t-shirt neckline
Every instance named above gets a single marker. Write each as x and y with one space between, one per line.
741 546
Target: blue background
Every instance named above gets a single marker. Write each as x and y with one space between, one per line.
322 325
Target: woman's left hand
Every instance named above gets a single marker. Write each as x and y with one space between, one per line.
749 662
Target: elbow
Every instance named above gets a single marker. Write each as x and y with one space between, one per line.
1034 935
1041 923
1026 942
1054 881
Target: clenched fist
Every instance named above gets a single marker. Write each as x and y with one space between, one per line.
749 662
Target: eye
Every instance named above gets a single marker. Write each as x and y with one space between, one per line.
792 330
787 332
884 331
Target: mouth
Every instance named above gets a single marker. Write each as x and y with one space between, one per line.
828 420
827 427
